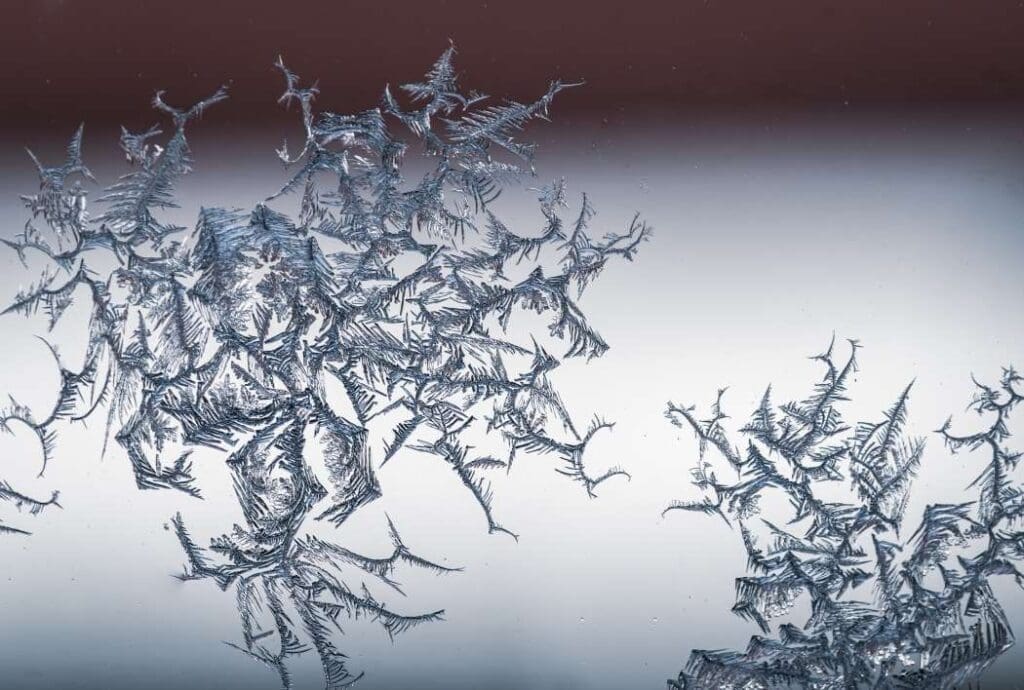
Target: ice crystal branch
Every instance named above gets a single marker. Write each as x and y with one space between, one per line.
932 619
311 350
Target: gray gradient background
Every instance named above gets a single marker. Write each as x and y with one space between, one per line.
775 227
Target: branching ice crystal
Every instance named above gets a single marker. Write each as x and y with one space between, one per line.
290 344
933 621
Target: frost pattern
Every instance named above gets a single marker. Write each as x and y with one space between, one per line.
310 350
933 620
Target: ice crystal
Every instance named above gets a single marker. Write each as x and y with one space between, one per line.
910 634
310 350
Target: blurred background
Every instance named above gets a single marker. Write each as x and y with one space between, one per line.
847 168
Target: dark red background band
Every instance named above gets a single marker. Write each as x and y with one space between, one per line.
103 58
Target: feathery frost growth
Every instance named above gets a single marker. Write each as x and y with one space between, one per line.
310 350
927 617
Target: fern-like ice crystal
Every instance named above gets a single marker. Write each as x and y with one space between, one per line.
310 349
